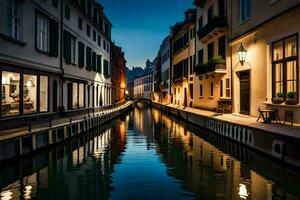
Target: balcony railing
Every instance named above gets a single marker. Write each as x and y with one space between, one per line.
203 69
217 22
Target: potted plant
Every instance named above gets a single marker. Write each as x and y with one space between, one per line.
278 99
291 98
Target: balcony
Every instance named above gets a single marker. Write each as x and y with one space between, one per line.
212 28
215 65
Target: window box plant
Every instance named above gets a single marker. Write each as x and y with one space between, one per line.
291 98
278 99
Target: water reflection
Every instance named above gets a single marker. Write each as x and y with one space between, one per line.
148 155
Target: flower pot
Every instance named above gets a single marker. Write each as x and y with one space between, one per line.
277 101
291 102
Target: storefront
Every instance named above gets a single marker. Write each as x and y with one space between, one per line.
23 91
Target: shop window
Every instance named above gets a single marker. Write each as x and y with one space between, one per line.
54 98
29 93
75 96
227 87
81 95
284 68
10 93
44 93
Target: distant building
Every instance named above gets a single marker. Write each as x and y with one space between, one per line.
118 73
182 42
143 86
165 84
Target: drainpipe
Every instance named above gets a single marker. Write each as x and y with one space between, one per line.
61 109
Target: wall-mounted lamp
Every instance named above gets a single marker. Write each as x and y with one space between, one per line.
242 52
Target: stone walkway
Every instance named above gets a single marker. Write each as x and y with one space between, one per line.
280 129
17 132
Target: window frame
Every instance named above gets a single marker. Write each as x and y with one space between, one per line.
284 60
42 16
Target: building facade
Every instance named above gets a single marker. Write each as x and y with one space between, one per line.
54 58
165 71
118 73
212 87
182 42
143 86
269 75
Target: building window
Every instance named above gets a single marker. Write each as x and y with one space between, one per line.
67 12
55 3
285 67
210 51
222 46
73 50
99 41
94 58
42 33
211 89
200 56
210 14
104 44
80 23
191 91
99 64
201 90
80 54
43 93
75 96
227 87
94 35
88 58
88 30
81 95
221 88
14 19
10 93
29 93
245 10
200 22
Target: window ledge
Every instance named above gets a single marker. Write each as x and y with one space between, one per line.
243 22
9 38
282 105
201 97
211 97
41 51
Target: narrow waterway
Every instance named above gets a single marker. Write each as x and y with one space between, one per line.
148 155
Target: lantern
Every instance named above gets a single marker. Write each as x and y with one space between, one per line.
242 52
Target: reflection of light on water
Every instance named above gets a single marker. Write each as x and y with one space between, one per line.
27 192
243 191
6 195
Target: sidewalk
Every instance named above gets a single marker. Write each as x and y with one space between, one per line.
280 129
17 132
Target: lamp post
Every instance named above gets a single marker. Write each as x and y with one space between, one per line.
242 52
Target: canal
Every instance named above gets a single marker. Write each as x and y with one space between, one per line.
147 154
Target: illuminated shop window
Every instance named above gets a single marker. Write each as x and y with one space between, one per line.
81 95
43 93
10 93
29 93
75 95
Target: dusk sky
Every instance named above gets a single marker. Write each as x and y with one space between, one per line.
139 26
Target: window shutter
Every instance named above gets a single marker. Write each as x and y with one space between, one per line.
80 54
94 61
88 58
67 47
99 64
54 34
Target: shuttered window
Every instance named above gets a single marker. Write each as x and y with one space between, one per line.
54 35
94 67
99 64
80 54
69 47
88 58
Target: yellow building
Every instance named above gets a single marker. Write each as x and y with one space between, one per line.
212 89
268 74
182 42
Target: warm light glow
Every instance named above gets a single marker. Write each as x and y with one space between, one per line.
4 80
123 85
29 83
6 195
243 191
242 52
126 92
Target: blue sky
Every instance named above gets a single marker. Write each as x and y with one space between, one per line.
139 26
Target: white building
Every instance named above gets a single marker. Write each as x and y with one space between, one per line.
54 56
143 86
165 70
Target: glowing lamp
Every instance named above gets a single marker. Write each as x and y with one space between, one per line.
242 52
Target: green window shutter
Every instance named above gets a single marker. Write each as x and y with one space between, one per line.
67 47
94 67
99 64
80 54
54 34
88 58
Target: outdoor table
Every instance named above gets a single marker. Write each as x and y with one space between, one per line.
267 115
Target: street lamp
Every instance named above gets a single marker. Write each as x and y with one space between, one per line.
242 52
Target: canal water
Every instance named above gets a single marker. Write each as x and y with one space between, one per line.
147 154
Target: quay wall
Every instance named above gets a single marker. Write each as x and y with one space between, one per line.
277 146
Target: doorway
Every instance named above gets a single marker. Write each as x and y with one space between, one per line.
185 98
245 93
